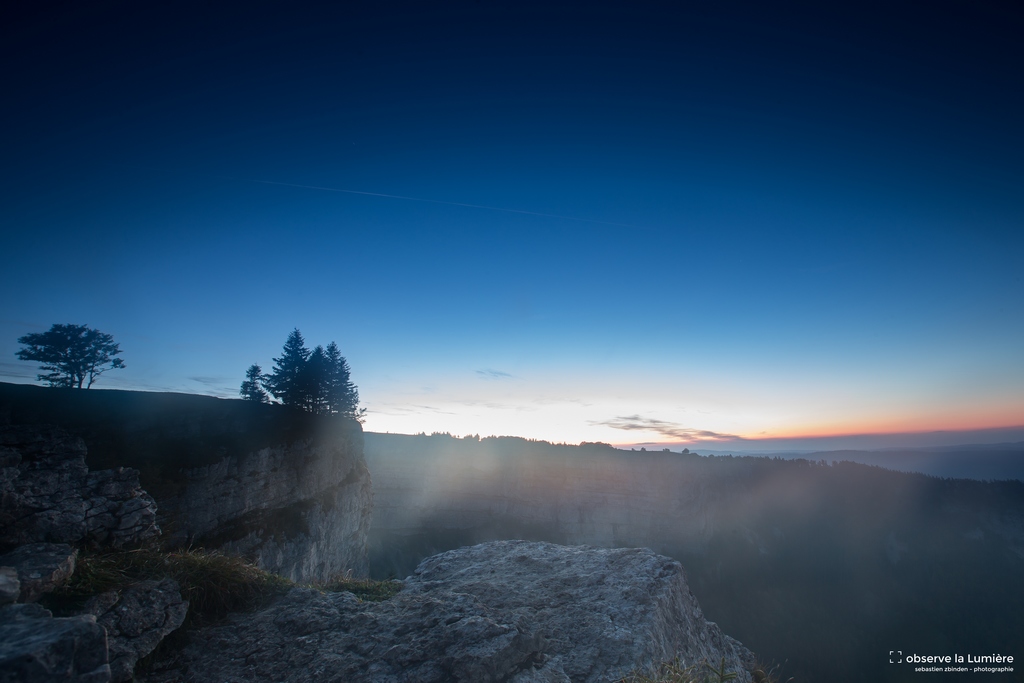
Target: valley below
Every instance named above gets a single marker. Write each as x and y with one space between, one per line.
822 568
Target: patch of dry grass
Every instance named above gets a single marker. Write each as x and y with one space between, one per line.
703 672
364 589
213 583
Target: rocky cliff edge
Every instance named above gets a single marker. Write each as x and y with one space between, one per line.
287 489
506 611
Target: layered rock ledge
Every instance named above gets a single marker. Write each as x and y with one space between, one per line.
287 489
508 611
48 493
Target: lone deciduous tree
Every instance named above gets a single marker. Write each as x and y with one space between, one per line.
71 354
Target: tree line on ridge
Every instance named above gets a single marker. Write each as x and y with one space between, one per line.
317 381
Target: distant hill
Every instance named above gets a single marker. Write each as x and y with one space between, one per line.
986 462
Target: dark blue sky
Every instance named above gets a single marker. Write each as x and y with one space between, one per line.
764 221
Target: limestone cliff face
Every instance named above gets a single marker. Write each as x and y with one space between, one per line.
299 509
47 494
285 488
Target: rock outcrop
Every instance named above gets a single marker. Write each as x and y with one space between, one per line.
38 648
10 586
509 611
136 619
285 488
288 490
47 493
602 611
40 567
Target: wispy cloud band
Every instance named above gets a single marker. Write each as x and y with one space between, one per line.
488 373
637 423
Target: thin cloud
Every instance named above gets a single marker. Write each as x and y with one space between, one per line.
409 408
433 409
493 405
636 423
17 370
488 373
560 401
209 381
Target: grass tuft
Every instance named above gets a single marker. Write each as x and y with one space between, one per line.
668 672
214 584
769 673
364 589
703 672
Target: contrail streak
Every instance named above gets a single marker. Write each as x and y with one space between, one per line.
438 201
408 199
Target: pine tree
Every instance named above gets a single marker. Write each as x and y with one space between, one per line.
286 381
342 395
252 387
315 381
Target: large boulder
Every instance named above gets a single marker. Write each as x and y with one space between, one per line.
603 612
509 611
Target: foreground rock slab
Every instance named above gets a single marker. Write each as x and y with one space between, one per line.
507 611
36 648
603 611
10 586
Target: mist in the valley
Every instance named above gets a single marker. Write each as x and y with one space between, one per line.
823 567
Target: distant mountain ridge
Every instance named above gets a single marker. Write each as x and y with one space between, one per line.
985 462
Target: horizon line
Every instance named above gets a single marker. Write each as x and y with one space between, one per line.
739 444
